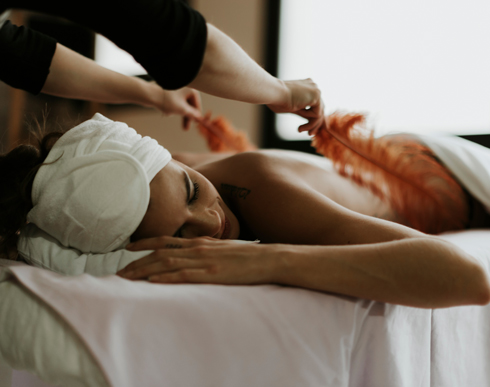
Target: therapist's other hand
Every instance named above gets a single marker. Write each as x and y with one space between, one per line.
303 98
201 260
185 102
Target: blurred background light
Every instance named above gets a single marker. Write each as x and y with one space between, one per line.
419 66
108 55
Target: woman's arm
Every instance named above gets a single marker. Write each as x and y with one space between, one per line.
74 76
425 272
420 272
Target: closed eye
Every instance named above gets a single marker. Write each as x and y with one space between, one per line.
190 200
196 193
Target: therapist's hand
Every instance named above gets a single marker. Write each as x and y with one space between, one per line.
201 260
303 97
185 102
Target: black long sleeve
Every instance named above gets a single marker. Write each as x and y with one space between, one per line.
25 57
167 37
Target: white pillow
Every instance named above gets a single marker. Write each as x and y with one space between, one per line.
40 249
34 338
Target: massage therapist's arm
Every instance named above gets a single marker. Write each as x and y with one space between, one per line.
228 72
75 76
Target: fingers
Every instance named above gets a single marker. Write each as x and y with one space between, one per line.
181 276
189 115
194 99
186 123
159 263
185 102
193 108
304 100
316 118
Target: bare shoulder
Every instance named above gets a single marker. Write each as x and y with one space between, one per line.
267 164
244 168
269 192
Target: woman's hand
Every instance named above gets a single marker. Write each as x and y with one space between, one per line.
202 260
304 99
185 102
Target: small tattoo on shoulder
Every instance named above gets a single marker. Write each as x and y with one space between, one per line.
234 191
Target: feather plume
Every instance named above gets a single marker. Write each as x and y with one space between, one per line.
396 168
221 136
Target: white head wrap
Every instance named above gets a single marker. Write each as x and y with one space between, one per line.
95 190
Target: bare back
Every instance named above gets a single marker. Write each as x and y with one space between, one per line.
292 197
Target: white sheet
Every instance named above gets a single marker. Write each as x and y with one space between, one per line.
460 343
209 335
34 338
206 335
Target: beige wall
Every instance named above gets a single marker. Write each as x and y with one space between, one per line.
244 22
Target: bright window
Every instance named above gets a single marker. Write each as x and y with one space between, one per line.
108 55
420 65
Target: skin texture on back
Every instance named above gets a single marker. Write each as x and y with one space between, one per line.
287 197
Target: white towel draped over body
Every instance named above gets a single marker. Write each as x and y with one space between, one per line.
468 162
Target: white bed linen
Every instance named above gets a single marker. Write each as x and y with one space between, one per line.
209 335
460 344
206 335
35 339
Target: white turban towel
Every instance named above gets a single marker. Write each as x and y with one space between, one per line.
95 189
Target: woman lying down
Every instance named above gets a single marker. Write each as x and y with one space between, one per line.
100 186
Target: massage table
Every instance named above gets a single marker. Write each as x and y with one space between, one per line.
88 330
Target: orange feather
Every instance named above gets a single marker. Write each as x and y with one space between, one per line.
396 168
222 137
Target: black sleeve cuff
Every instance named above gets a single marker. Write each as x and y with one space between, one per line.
26 57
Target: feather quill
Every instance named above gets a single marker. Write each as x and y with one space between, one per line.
397 169
221 136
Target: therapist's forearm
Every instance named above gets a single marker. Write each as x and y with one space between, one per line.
228 72
75 76
418 272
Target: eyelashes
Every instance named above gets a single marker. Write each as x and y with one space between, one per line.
196 193
178 234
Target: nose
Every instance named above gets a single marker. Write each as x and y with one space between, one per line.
206 222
